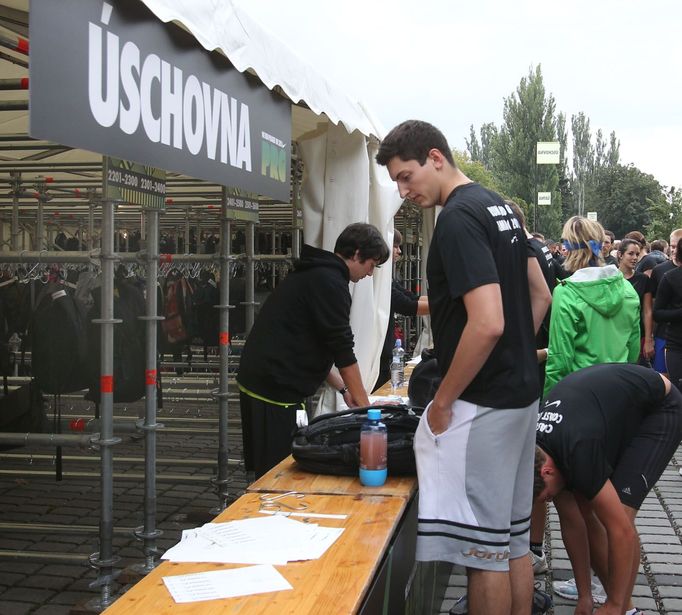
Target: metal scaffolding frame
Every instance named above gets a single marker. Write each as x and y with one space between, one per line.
105 560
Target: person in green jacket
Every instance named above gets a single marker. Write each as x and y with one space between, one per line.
595 319
595 312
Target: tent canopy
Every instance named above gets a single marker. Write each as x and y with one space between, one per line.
227 27
343 182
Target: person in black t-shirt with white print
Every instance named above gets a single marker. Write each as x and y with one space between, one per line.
605 434
487 299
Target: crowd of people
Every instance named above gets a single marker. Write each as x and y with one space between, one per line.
591 324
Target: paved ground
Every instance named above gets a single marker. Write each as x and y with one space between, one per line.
44 571
56 579
659 584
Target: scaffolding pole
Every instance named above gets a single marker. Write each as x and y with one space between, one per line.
250 302
221 480
105 560
14 229
148 533
48 439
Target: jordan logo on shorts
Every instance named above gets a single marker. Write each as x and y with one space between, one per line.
498 556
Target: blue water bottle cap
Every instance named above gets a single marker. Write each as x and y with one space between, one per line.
398 343
374 414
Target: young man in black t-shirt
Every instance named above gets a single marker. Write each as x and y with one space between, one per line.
487 299
605 435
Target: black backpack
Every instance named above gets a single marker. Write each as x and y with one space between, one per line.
330 443
58 341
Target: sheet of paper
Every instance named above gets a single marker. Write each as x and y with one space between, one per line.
273 539
204 550
218 584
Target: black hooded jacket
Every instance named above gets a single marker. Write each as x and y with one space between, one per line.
301 330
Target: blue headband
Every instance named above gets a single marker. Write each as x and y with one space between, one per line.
592 244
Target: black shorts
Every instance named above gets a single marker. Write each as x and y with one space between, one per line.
267 431
650 451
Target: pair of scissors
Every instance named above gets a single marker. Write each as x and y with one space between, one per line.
274 501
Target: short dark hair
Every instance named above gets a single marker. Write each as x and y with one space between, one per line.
413 140
364 239
659 244
611 235
538 481
397 237
626 243
637 236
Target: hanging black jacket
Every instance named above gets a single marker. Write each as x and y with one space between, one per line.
301 330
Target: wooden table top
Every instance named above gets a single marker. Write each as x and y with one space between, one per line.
335 584
288 476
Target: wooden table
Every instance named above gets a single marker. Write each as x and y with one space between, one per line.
335 584
288 476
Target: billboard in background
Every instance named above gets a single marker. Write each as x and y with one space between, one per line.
111 78
548 152
544 198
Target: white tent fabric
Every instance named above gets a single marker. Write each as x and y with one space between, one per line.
342 185
342 182
228 27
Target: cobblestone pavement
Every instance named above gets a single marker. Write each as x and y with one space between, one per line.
56 579
658 588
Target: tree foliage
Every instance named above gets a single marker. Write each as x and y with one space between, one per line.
529 116
565 184
476 171
583 158
626 197
592 180
665 215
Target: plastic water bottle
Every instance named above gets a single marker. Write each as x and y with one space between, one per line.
397 366
373 450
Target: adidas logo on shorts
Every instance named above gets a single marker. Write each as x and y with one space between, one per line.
626 491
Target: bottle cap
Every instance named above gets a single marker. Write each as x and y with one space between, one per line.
374 414
398 343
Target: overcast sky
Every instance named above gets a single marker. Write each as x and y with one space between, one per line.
453 63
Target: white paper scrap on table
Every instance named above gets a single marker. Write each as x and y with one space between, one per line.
388 399
218 584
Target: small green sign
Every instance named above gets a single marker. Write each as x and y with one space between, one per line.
241 205
137 184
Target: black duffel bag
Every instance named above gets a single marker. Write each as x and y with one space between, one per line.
330 443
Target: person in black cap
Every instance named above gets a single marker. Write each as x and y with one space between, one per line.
604 436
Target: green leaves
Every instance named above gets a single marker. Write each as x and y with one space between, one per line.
623 197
